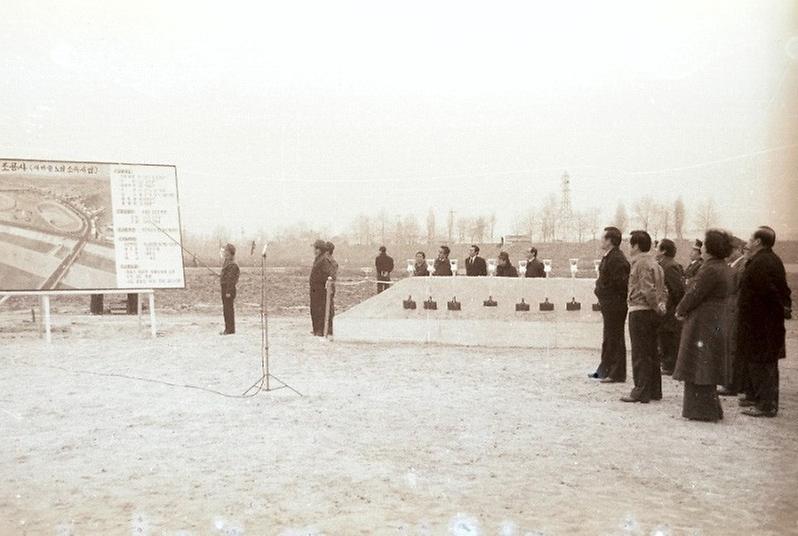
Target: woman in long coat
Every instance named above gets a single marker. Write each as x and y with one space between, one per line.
703 361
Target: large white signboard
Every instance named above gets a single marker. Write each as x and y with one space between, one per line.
88 226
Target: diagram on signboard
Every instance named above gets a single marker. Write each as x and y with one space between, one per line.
86 226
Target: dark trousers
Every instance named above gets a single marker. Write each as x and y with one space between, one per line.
669 346
645 361
613 345
741 379
765 385
382 286
318 298
229 314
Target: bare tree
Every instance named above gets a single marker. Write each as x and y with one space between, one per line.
662 220
594 221
431 226
645 210
548 218
478 228
621 217
706 216
581 224
678 217
382 222
411 229
221 234
492 224
462 224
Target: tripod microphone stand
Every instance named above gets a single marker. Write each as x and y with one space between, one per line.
264 382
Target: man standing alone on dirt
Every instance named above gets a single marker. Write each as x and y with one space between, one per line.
322 269
229 280
384 265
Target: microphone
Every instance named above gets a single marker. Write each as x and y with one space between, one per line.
263 253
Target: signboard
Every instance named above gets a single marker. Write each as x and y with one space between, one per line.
88 226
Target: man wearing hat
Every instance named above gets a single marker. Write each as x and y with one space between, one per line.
384 265
321 270
229 280
695 262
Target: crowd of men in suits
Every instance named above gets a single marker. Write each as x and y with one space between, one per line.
717 325
476 265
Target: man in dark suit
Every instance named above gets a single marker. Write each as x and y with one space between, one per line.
534 268
321 270
442 265
669 329
611 291
229 280
764 303
695 262
475 265
384 266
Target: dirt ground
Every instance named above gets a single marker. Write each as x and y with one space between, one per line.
386 440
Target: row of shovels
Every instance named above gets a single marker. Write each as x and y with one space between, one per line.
522 306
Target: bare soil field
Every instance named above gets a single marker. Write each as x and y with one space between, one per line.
387 439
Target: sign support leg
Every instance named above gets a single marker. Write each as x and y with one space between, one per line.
153 326
45 302
138 311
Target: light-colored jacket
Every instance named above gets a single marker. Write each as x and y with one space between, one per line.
643 277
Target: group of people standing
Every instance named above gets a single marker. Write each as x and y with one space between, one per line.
717 326
476 266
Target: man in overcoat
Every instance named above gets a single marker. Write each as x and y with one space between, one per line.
670 329
321 270
611 291
384 265
740 382
696 261
763 305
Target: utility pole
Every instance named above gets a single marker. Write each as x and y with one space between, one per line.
450 224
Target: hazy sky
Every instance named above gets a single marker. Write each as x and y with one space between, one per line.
280 112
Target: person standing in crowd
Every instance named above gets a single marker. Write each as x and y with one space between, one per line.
740 383
229 280
646 305
334 268
384 265
611 291
695 262
764 303
442 265
670 329
420 267
534 268
505 268
475 265
703 360
321 270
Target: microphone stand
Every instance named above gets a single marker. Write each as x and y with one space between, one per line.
264 383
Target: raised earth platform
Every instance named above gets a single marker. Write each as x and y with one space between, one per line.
384 317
